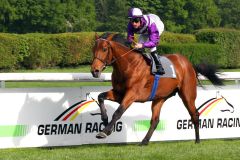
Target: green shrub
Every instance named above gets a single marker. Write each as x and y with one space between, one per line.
168 37
9 49
37 50
45 50
196 52
227 39
76 48
42 52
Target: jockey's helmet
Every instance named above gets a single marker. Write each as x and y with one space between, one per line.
134 13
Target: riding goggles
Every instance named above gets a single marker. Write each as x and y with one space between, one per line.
135 20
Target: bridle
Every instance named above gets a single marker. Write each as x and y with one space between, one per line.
96 56
108 54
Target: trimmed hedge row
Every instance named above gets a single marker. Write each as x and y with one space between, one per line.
10 51
71 49
45 50
195 52
229 42
216 46
49 50
168 37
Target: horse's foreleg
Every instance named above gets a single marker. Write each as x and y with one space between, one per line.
156 108
103 110
110 95
126 102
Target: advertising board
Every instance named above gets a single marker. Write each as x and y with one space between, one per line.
69 116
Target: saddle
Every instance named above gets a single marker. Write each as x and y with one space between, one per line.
166 64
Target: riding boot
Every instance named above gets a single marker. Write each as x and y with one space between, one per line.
159 67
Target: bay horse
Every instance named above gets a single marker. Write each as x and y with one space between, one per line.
132 81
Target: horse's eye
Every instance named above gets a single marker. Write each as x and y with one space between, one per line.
104 49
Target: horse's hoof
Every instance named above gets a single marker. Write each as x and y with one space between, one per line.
197 141
143 143
101 135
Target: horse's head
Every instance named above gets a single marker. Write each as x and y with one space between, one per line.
102 56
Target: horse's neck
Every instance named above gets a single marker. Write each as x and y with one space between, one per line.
124 57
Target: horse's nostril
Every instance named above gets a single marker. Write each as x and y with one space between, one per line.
96 73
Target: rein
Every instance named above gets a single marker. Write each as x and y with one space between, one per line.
121 56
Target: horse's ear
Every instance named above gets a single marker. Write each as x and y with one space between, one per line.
96 36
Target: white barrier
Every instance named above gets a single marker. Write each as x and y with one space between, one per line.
226 76
82 77
58 117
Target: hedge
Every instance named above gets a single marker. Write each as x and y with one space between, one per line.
217 46
227 39
45 50
10 51
195 52
71 49
168 37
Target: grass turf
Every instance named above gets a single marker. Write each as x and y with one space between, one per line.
79 69
175 150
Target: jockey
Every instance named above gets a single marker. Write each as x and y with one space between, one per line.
150 27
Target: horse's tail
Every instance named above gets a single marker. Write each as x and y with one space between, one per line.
210 72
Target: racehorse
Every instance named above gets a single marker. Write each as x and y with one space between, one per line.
132 81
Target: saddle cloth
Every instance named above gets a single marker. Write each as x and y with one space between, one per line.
166 63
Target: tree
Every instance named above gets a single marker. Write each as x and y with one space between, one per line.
173 15
37 16
118 16
230 13
47 16
202 14
7 15
152 6
56 16
85 20
112 15
182 15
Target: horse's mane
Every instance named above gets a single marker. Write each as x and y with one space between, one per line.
116 37
120 38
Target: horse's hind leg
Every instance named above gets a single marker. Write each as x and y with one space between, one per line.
156 108
110 95
188 95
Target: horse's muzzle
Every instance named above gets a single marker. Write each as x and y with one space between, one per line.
96 73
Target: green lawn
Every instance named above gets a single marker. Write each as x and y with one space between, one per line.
177 150
79 69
